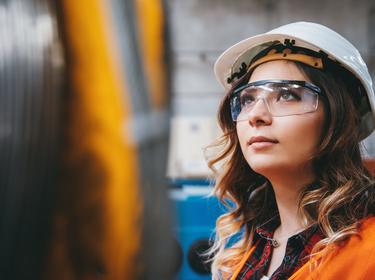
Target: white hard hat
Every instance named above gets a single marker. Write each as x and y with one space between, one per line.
307 35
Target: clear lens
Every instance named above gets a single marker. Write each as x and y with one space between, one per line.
282 98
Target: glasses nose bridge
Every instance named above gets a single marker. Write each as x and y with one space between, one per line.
263 94
262 97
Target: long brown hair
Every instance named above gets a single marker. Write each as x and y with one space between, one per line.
342 194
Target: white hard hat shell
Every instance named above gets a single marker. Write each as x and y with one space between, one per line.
309 35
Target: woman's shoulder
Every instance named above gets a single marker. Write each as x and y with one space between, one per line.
367 228
363 242
359 246
355 259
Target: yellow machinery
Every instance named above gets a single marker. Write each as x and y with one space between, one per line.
83 83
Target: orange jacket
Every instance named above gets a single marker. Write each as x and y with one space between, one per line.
355 260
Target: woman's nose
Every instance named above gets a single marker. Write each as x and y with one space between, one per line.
260 114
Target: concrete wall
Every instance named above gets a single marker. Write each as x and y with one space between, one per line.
202 29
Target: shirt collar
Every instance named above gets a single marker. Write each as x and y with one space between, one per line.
267 229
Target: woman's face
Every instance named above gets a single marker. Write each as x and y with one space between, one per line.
282 144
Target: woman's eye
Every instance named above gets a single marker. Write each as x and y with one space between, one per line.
247 100
288 96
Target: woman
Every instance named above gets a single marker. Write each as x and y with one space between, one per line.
299 101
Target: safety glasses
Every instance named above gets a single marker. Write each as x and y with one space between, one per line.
281 97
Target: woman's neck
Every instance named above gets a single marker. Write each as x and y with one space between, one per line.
287 191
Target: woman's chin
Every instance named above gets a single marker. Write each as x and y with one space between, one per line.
264 162
266 169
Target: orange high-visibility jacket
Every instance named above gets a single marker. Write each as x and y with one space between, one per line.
354 261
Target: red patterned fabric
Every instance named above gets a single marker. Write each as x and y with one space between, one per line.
297 252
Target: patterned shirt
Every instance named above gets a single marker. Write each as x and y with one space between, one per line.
297 252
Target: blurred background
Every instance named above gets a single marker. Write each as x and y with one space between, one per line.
106 107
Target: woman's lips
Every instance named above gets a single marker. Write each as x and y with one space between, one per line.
260 142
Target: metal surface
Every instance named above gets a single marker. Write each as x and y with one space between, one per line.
31 67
